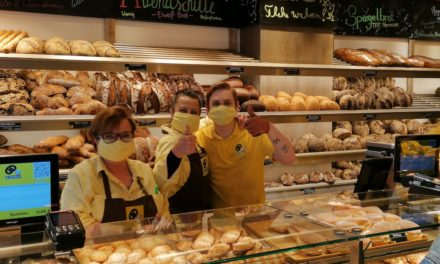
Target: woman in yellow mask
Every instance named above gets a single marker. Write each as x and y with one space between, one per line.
181 166
236 156
110 187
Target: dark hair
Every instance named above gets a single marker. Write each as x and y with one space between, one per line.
218 87
109 118
186 92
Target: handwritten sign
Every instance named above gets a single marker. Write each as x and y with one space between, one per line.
386 18
317 13
87 8
196 12
426 20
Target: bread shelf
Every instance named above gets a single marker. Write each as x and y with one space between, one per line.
65 122
209 62
330 156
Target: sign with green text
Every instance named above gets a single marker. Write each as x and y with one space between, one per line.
426 20
383 18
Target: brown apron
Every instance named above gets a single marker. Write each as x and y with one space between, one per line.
118 209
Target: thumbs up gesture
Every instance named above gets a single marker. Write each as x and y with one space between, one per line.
186 144
255 124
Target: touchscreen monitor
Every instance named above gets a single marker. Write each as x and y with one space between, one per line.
28 188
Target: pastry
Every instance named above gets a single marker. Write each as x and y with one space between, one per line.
61 151
414 127
135 256
17 109
21 96
98 256
244 244
51 142
203 240
105 49
82 48
57 46
20 149
63 79
49 90
329 177
75 143
316 177
230 236
79 98
11 85
116 258
90 108
218 250
44 101
284 94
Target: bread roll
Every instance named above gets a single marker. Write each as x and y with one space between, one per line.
3 140
348 174
329 177
304 96
283 104
301 146
316 177
334 144
287 179
361 128
75 143
348 102
317 145
352 144
270 102
255 104
297 103
82 48
345 124
218 250
301 178
341 133
340 83
57 46
203 241
414 127
284 94
377 127
312 104
48 90
398 127
89 108
31 45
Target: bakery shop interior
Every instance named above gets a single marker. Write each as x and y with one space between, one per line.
150 141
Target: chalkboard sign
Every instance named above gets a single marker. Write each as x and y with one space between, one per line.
315 13
426 20
384 18
87 8
223 13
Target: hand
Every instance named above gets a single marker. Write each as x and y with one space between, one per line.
255 124
186 145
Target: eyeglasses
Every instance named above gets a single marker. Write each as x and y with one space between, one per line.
112 137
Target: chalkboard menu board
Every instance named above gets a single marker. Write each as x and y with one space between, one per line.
426 20
316 13
87 8
195 12
386 18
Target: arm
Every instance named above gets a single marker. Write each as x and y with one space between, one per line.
284 151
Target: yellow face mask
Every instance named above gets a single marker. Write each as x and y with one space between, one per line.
116 151
222 115
181 120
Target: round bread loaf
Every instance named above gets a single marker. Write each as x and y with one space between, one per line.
301 146
82 48
234 82
340 83
348 174
287 179
337 172
316 177
30 45
344 124
253 92
341 133
377 127
362 100
348 102
57 46
270 102
352 144
398 127
301 178
414 127
284 104
242 95
3 140
312 104
316 145
361 128
255 104
334 144
298 103
328 105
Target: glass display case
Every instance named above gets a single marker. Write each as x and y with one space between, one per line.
317 228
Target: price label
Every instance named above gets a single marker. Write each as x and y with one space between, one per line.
313 118
308 190
291 71
147 122
398 237
234 69
10 126
80 124
428 115
136 67
370 73
369 117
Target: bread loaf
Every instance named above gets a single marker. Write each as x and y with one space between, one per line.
234 82
312 104
31 45
75 143
51 142
253 92
82 48
334 144
57 111
255 104
361 128
62 78
79 98
384 60
297 103
48 90
10 43
340 83
329 177
17 109
356 57
377 127
287 179
328 105
417 61
242 95
345 124
316 176
284 94
397 60
304 96
284 104
341 133
348 102
414 127
398 127
301 146
84 79
60 151
89 108
270 102
316 145
352 144
301 178
56 46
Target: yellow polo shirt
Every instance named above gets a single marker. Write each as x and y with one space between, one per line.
236 166
84 190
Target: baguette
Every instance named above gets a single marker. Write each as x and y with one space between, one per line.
6 35
51 142
8 39
12 45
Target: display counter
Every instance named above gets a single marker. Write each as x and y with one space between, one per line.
318 228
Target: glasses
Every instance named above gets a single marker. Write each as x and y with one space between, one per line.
112 137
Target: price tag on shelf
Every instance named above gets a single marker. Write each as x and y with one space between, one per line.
136 67
313 118
429 115
398 237
146 122
80 124
370 73
10 126
234 69
291 71
369 117
308 190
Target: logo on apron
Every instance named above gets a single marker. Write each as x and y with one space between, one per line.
134 212
240 150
